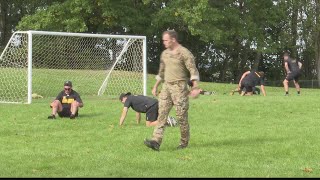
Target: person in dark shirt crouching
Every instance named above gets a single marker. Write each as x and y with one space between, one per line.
249 80
142 104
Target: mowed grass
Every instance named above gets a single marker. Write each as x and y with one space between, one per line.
231 136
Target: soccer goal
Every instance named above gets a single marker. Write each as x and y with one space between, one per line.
38 62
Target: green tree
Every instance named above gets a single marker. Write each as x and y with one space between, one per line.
12 11
227 37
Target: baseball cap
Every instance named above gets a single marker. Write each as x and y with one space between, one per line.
68 83
122 95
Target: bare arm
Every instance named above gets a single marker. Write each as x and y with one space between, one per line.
123 115
263 90
155 87
300 65
243 75
138 117
286 67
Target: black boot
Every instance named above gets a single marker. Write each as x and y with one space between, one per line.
152 144
182 146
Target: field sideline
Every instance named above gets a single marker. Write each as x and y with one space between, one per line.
231 136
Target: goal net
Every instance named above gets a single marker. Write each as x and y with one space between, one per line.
38 62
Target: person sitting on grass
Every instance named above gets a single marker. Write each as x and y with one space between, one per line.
142 104
67 103
249 80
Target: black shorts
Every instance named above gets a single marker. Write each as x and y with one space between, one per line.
152 113
66 112
246 87
293 76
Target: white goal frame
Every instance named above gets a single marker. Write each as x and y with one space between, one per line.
105 83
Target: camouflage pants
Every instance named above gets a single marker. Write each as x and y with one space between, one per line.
175 93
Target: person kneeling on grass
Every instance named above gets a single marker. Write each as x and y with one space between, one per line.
67 103
249 80
142 104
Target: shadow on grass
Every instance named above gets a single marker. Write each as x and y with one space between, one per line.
241 142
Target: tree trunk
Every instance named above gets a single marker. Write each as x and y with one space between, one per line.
3 15
224 69
243 62
257 60
317 39
317 54
294 25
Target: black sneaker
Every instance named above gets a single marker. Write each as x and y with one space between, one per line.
72 116
52 117
181 146
152 144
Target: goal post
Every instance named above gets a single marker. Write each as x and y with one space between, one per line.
38 62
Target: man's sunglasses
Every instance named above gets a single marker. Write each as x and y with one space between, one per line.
67 89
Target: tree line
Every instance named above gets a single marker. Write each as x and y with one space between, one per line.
227 37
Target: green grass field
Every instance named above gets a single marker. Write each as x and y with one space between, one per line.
231 136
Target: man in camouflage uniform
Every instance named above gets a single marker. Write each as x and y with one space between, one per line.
177 67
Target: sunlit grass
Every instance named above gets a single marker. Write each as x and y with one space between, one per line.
231 136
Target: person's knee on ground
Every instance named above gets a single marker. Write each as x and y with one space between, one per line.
151 123
148 123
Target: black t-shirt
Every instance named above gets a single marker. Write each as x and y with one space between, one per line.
140 103
66 100
293 65
254 79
